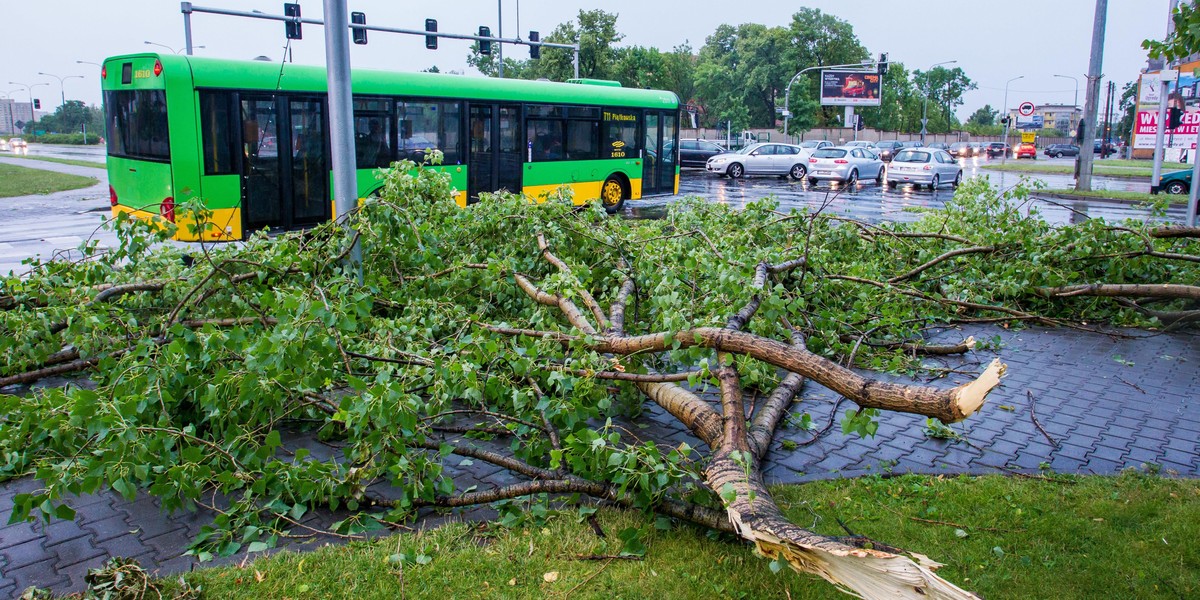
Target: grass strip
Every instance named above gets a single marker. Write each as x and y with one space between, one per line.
1129 536
64 161
23 181
1034 167
1143 197
1144 164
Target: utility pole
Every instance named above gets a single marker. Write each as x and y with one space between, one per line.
500 34
1091 103
341 118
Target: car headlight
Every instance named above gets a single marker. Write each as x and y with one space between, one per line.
716 161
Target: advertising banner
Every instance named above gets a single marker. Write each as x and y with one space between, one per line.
849 88
1181 93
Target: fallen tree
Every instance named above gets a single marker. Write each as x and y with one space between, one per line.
509 333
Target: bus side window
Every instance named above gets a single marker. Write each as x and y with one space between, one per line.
216 114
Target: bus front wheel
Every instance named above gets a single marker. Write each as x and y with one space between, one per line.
612 195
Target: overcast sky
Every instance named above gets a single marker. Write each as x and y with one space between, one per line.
992 41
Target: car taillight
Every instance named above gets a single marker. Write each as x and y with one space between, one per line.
157 68
812 160
841 161
112 196
167 209
928 167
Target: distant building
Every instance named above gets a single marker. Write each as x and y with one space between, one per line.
11 112
1063 117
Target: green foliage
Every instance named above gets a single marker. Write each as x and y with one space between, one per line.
1184 40
71 118
986 115
71 139
200 383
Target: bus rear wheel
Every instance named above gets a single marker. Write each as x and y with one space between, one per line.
612 195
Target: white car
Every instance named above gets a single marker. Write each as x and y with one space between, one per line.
846 164
859 144
16 143
811 145
924 166
761 159
3 145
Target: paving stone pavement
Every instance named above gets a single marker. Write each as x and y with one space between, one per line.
1109 402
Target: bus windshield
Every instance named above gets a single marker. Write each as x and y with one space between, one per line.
137 124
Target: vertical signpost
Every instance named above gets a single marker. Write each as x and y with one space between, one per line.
341 117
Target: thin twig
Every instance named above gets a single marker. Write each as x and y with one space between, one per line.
1033 415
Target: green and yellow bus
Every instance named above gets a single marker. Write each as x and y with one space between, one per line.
250 139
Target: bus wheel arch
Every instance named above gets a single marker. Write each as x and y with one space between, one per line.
615 190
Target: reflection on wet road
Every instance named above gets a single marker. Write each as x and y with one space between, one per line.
876 203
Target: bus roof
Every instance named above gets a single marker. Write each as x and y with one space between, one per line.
263 75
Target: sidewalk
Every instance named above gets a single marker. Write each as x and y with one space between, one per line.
1109 403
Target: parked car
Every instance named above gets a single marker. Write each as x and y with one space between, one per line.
1176 182
1061 150
914 144
1109 149
811 145
961 150
1027 151
978 148
887 148
938 146
846 164
859 144
761 159
924 166
995 149
695 153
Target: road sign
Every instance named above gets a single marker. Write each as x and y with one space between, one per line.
1028 137
1026 109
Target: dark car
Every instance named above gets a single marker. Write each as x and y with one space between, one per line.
1109 148
1061 150
938 146
695 153
961 150
1176 182
995 149
887 149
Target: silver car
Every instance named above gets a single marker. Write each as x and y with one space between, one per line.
924 166
811 145
846 164
761 159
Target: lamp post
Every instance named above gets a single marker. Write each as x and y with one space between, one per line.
29 88
1005 113
173 51
1076 105
925 107
62 88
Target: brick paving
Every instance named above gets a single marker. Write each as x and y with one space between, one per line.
1110 403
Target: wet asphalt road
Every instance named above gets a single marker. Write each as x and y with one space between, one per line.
57 223
876 203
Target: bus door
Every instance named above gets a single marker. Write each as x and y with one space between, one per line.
495 157
660 152
285 167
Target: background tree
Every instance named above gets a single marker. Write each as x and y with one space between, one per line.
1127 106
944 88
900 104
985 115
1182 42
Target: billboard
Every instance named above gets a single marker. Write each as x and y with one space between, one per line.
850 88
1181 93
1031 122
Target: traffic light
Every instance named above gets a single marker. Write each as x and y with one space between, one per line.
37 104
485 46
431 40
535 49
858 123
1174 117
360 35
883 63
291 29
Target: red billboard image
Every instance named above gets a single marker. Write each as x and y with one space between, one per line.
850 88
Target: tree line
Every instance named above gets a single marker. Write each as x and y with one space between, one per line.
741 73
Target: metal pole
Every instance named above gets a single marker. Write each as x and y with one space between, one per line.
1004 157
1160 134
576 61
186 9
1192 206
341 115
1092 104
500 32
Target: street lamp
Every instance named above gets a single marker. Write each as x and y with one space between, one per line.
925 108
173 51
1076 105
29 88
62 90
1005 113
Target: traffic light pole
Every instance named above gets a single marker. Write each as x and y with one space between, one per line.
341 121
187 8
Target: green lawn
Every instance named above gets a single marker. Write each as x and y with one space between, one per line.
1142 164
21 181
1035 167
1131 536
65 161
